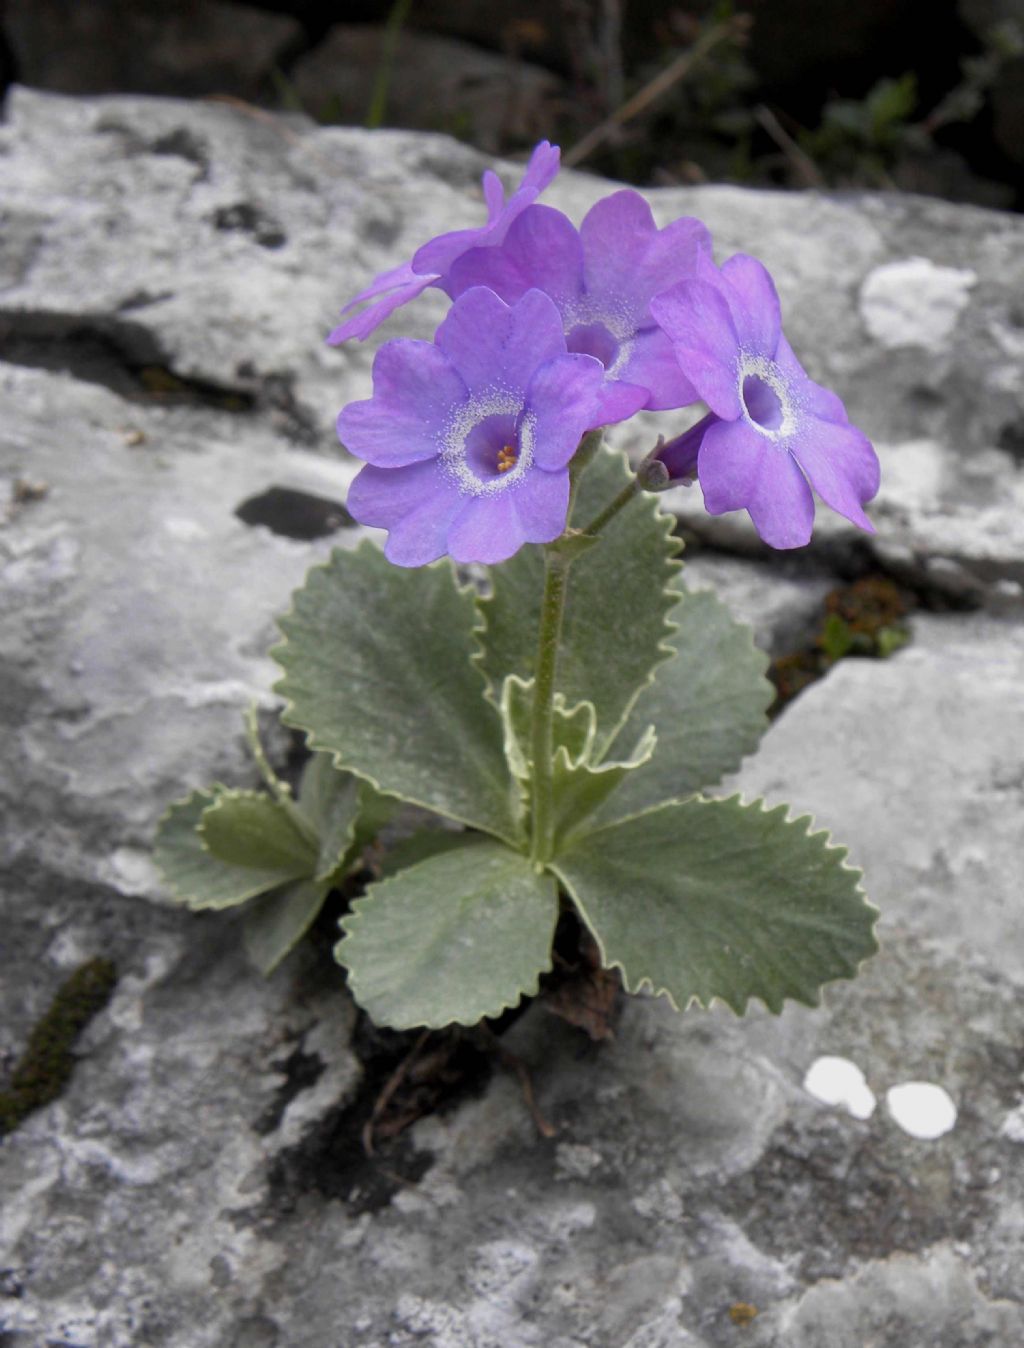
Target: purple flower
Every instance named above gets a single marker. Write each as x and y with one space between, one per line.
774 434
602 278
467 439
431 263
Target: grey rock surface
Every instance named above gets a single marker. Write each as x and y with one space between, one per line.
166 271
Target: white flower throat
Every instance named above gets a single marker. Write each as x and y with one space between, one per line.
765 396
487 446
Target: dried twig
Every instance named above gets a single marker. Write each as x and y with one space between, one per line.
674 72
805 171
275 122
515 1064
390 1086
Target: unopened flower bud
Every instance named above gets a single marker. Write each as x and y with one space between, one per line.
653 475
679 456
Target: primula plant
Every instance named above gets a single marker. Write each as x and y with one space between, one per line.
564 706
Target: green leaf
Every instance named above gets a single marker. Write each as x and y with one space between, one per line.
707 705
378 670
248 829
580 788
615 618
329 799
836 637
275 923
890 639
194 876
713 898
422 845
456 938
375 810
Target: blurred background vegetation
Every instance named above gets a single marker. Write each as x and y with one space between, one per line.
919 95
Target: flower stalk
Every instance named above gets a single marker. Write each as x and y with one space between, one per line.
552 614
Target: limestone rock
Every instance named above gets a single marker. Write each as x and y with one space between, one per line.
166 273
138 611
933 736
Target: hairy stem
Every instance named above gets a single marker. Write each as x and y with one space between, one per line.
631 489
556 572
281 791
558 558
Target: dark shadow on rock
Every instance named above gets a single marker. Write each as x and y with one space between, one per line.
295 514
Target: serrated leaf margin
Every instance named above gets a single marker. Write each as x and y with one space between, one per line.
646 985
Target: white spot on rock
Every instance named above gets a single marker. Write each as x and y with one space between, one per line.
575 1160
837 1081
1013 1125
184 530
921 1109
913 302
132 872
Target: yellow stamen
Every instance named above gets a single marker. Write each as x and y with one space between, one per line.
507 458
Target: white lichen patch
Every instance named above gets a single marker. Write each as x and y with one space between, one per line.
1012 1126
839 1082
914 302
575 1160
921 1109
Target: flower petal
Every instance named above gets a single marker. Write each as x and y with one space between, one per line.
541 501
416 504
494 194
805 392
618 401
739 468
674 254
542 251
652 363
369 319
487 529
564 399
414 391
491 344
754 303
616 234
841 465
697 320
628 259
439 254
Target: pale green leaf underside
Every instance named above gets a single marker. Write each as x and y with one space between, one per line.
714 898
455 938
275 923
573 728
377 662
615 618
707 703
193 874
249 829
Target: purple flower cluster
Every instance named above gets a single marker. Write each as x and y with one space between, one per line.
554 331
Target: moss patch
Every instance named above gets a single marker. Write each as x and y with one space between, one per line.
46 1065
865 619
